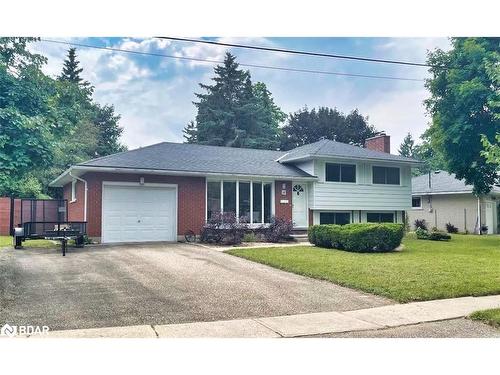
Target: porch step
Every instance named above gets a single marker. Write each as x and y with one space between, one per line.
300 237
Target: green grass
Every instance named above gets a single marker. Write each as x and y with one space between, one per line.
491 317
6 241
424 270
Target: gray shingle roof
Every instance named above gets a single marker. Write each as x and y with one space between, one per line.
200 158
329 148
441 182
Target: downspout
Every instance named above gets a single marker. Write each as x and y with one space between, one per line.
479 215
84 196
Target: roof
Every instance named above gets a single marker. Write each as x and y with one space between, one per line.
442 182
184 157
329 148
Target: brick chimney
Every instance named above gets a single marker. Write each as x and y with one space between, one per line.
381 142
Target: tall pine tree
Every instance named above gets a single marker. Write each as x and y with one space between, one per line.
233 112
71 70
407 147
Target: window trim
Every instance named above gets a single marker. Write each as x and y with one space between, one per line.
73 191
237 181
385 183
340 173
419 207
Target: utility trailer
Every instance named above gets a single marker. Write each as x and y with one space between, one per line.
46 219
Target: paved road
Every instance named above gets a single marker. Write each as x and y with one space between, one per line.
455 328
107 286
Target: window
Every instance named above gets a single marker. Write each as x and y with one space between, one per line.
252 202
339 218
340 172
267 202
73 190
257 202
385 175
380 217
244 204
416 202
213 198
229 196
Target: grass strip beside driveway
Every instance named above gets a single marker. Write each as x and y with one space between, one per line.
491 317
6 241
467 265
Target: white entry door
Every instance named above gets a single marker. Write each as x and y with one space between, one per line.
139 213
299 205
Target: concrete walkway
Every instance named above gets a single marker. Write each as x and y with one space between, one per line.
321 323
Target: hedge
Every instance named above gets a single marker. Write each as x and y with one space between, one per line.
357 237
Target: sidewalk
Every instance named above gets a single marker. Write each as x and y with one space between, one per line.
302 324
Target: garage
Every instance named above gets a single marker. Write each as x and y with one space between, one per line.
139 213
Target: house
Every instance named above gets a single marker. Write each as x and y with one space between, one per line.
440 198
162 191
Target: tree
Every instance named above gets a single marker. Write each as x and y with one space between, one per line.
464 90
407 147
71 70
306 126
491 150
234 112
108 130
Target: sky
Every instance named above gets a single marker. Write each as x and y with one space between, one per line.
154 95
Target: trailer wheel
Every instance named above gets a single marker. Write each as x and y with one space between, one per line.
17 242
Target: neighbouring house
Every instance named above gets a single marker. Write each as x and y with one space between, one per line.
440 198
159 192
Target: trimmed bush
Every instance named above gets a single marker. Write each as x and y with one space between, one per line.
357 237
223 228
434 235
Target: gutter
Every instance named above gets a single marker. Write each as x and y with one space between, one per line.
85 194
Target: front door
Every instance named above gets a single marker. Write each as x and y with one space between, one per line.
490 217
299 204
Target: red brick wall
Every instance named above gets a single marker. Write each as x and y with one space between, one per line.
380 143
75 209
191 199
283 210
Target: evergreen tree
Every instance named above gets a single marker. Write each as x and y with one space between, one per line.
233 112
407 147
71 70
190 133
108 130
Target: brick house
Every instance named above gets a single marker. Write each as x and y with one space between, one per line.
159 192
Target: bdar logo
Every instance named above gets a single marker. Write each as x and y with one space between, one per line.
8 330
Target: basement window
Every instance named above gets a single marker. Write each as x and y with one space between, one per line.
416 202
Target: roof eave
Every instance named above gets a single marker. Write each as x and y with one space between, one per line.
86 168
411 162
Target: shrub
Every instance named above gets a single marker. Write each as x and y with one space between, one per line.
450 228
279 230
223 228
484 229
437 235
357 237
434 235
249 237
420 223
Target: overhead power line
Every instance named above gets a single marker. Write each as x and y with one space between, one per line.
297 52
211 61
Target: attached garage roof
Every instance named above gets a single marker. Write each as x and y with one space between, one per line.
181 157
441 182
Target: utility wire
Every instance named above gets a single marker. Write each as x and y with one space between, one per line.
114 49
297 52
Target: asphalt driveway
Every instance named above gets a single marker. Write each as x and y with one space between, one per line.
106 286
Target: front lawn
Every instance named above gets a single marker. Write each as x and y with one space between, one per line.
491 317
423 270
6 241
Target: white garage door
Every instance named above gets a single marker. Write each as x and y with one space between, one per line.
138 213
